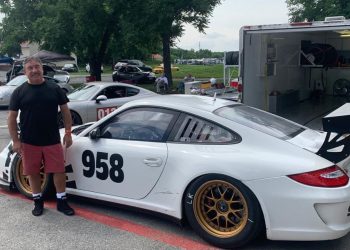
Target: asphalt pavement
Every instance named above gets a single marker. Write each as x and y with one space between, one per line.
100 226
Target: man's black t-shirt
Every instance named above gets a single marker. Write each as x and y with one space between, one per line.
39 106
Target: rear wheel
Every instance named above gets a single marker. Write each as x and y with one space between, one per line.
22 181
223 211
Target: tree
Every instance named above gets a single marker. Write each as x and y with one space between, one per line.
317 10
16 25
169 16
85 27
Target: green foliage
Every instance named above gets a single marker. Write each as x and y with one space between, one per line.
169 16
192 54
317 10
100 31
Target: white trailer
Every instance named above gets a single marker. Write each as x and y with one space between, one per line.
285 68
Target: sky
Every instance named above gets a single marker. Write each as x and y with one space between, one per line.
223 29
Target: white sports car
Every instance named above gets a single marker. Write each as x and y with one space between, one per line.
97 99
232 171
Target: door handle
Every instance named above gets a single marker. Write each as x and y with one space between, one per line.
153 162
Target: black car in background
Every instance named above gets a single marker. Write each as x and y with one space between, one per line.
133 75
17 70
134 62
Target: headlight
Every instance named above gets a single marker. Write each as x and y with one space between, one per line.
151 74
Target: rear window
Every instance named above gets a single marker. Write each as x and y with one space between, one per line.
262 121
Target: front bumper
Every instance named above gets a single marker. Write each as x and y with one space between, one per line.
6 158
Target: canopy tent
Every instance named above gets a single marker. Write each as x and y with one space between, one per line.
49 56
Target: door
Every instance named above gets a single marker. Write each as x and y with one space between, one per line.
116 96
128 157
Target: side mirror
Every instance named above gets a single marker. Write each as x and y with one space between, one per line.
95 133
101 98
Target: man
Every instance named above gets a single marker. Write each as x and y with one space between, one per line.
39 140
161 84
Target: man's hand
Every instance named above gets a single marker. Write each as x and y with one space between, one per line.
67 140
16 147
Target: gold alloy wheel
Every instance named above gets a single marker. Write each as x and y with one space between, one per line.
23 180
220 209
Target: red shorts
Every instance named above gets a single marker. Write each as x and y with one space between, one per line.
34 157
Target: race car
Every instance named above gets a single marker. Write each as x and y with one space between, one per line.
231 171
95 100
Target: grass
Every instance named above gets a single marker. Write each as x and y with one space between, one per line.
202 72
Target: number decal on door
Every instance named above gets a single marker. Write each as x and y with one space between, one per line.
103 166
102 112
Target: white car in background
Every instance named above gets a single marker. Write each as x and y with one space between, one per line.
7 89
232 171
95 100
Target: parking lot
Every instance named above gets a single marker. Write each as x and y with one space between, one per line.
101 226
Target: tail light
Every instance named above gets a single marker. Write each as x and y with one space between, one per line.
332 176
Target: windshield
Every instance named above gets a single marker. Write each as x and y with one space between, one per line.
84 93
262 121
19 80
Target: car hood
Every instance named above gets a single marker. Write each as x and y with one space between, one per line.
6 90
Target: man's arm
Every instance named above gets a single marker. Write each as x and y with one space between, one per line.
67 119
12 125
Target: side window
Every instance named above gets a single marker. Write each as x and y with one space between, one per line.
114 92
132 91
197 130
141 124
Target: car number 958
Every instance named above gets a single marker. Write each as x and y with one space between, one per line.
104 166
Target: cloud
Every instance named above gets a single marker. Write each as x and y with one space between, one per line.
222 33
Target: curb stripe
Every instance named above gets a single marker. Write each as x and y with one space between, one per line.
125 225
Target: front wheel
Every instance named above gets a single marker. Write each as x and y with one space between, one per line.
22 181
223 211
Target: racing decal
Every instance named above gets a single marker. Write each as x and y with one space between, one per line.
69 169
8 158
103 166
102 112
70 184
5 176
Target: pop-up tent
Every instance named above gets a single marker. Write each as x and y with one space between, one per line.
49 56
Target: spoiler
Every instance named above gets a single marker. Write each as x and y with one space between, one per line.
337 148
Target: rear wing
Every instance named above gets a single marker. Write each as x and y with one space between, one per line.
336 148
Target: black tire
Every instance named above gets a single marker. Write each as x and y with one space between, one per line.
76 119
22 182
223 211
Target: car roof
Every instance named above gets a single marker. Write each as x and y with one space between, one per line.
102 84
204 103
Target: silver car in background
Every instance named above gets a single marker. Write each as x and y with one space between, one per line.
7 89
95 100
